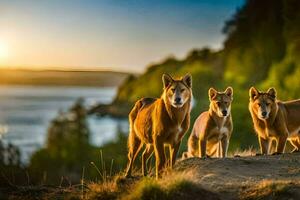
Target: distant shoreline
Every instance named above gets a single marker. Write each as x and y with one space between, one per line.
58 85
64 69
61 77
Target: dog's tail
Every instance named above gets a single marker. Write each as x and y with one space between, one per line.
133 113
132 116
193 146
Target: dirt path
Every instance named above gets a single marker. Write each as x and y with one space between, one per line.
233 177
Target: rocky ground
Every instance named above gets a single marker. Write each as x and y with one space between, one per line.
248 177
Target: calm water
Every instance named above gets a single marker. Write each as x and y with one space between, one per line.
25 113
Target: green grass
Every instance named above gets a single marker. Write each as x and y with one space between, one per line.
171 187
147 189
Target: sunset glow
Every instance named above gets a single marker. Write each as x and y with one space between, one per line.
116 35
4 51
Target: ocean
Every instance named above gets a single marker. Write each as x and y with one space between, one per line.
26 112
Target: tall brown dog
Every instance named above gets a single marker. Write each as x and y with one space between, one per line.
212 129
274 120
159 122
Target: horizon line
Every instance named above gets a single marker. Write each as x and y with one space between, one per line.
67 69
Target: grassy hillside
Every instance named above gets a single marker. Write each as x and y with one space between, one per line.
61 78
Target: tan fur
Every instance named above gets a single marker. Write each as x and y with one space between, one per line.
159 122
212 130
280 123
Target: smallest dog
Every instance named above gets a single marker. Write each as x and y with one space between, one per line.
212 129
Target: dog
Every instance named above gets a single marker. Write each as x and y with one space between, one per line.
212 129
274 120
157 122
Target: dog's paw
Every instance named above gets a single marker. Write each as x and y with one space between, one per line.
205 157
295 151
128 176
276 153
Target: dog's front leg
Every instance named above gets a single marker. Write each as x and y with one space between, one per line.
159 156
173 152
280 144
202 148
224 144
264 145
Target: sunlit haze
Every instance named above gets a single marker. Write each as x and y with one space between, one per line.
111 35
3 50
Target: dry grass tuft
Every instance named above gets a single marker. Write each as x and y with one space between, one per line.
107 190
251 151
270 189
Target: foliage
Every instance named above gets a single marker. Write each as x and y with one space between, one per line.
254 41
11 170
68 154
9 155
67 150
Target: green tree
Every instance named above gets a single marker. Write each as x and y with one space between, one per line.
68 149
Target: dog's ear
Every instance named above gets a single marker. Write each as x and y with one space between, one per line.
272 93
229 91
167 80
212 93
253 93
187 79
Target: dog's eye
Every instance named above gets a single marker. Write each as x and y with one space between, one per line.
173 90
182 90
267 104
259 104
218 103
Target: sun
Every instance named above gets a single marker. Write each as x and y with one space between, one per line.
4 51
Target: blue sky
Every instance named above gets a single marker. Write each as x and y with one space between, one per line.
108 34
